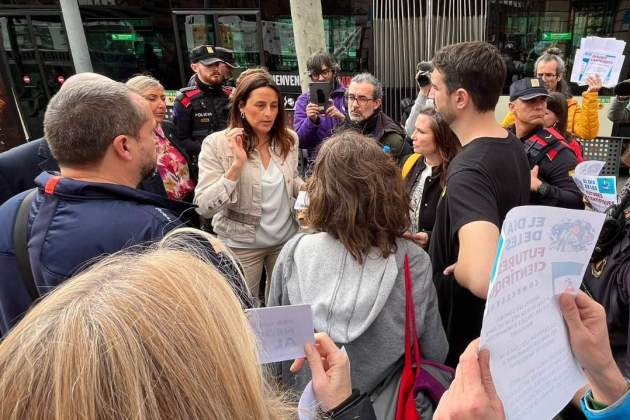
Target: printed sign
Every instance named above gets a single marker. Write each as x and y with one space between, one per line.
543 251
598 56
601 191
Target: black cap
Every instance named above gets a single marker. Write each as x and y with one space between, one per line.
227 56
208 54
526 89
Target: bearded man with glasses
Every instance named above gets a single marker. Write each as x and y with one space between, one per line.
364 99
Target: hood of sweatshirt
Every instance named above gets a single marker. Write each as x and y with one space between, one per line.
345 296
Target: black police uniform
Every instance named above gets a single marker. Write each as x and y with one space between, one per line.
545 147
198 111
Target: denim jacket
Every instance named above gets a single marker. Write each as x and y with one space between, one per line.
236 210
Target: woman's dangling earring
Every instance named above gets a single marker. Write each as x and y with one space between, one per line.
242 115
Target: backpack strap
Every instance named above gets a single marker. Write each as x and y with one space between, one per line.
409 164
20 243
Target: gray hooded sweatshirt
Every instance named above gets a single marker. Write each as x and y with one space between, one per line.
360 306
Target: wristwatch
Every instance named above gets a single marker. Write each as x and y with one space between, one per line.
543 189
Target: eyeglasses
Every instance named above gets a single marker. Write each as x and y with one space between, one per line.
547 76
326 73
362 100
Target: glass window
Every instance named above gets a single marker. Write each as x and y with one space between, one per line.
524 30
36 51
279 45
237 32
343 39
123 47
240 34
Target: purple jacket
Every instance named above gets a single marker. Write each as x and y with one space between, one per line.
310 134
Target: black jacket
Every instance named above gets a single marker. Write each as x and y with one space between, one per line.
356 407
554 170
430 194
608 282
198 111
19 167
383 129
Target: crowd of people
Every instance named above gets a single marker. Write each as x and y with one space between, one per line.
128 259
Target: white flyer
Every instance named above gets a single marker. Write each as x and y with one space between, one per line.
282 331
301 202
601 191
598 56
542 252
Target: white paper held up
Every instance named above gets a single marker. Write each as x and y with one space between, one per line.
542 252
301 202
601 191
282 331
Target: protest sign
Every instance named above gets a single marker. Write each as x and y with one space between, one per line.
598 56
282 331
542 252
601 191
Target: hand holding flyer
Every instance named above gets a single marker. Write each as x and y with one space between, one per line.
543 251
601 191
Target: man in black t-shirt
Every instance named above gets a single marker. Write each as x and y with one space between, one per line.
486 179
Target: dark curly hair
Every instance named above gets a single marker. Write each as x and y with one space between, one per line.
356 194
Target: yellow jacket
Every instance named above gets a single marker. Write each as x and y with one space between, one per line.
582 122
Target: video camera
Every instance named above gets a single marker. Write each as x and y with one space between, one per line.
423 73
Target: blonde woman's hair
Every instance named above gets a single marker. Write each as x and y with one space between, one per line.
156 334
197 241
142 83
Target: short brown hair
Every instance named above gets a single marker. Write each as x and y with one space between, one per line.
356 194
279 134
476 67
85 116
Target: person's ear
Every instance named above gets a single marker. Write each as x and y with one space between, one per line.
462 98
241 106
121 145
194 66
377 103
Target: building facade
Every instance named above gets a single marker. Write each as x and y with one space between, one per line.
128 37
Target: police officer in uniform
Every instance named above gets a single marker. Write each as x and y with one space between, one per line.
202 108
228 62
550 159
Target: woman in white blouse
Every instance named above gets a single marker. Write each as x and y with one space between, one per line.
248 178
